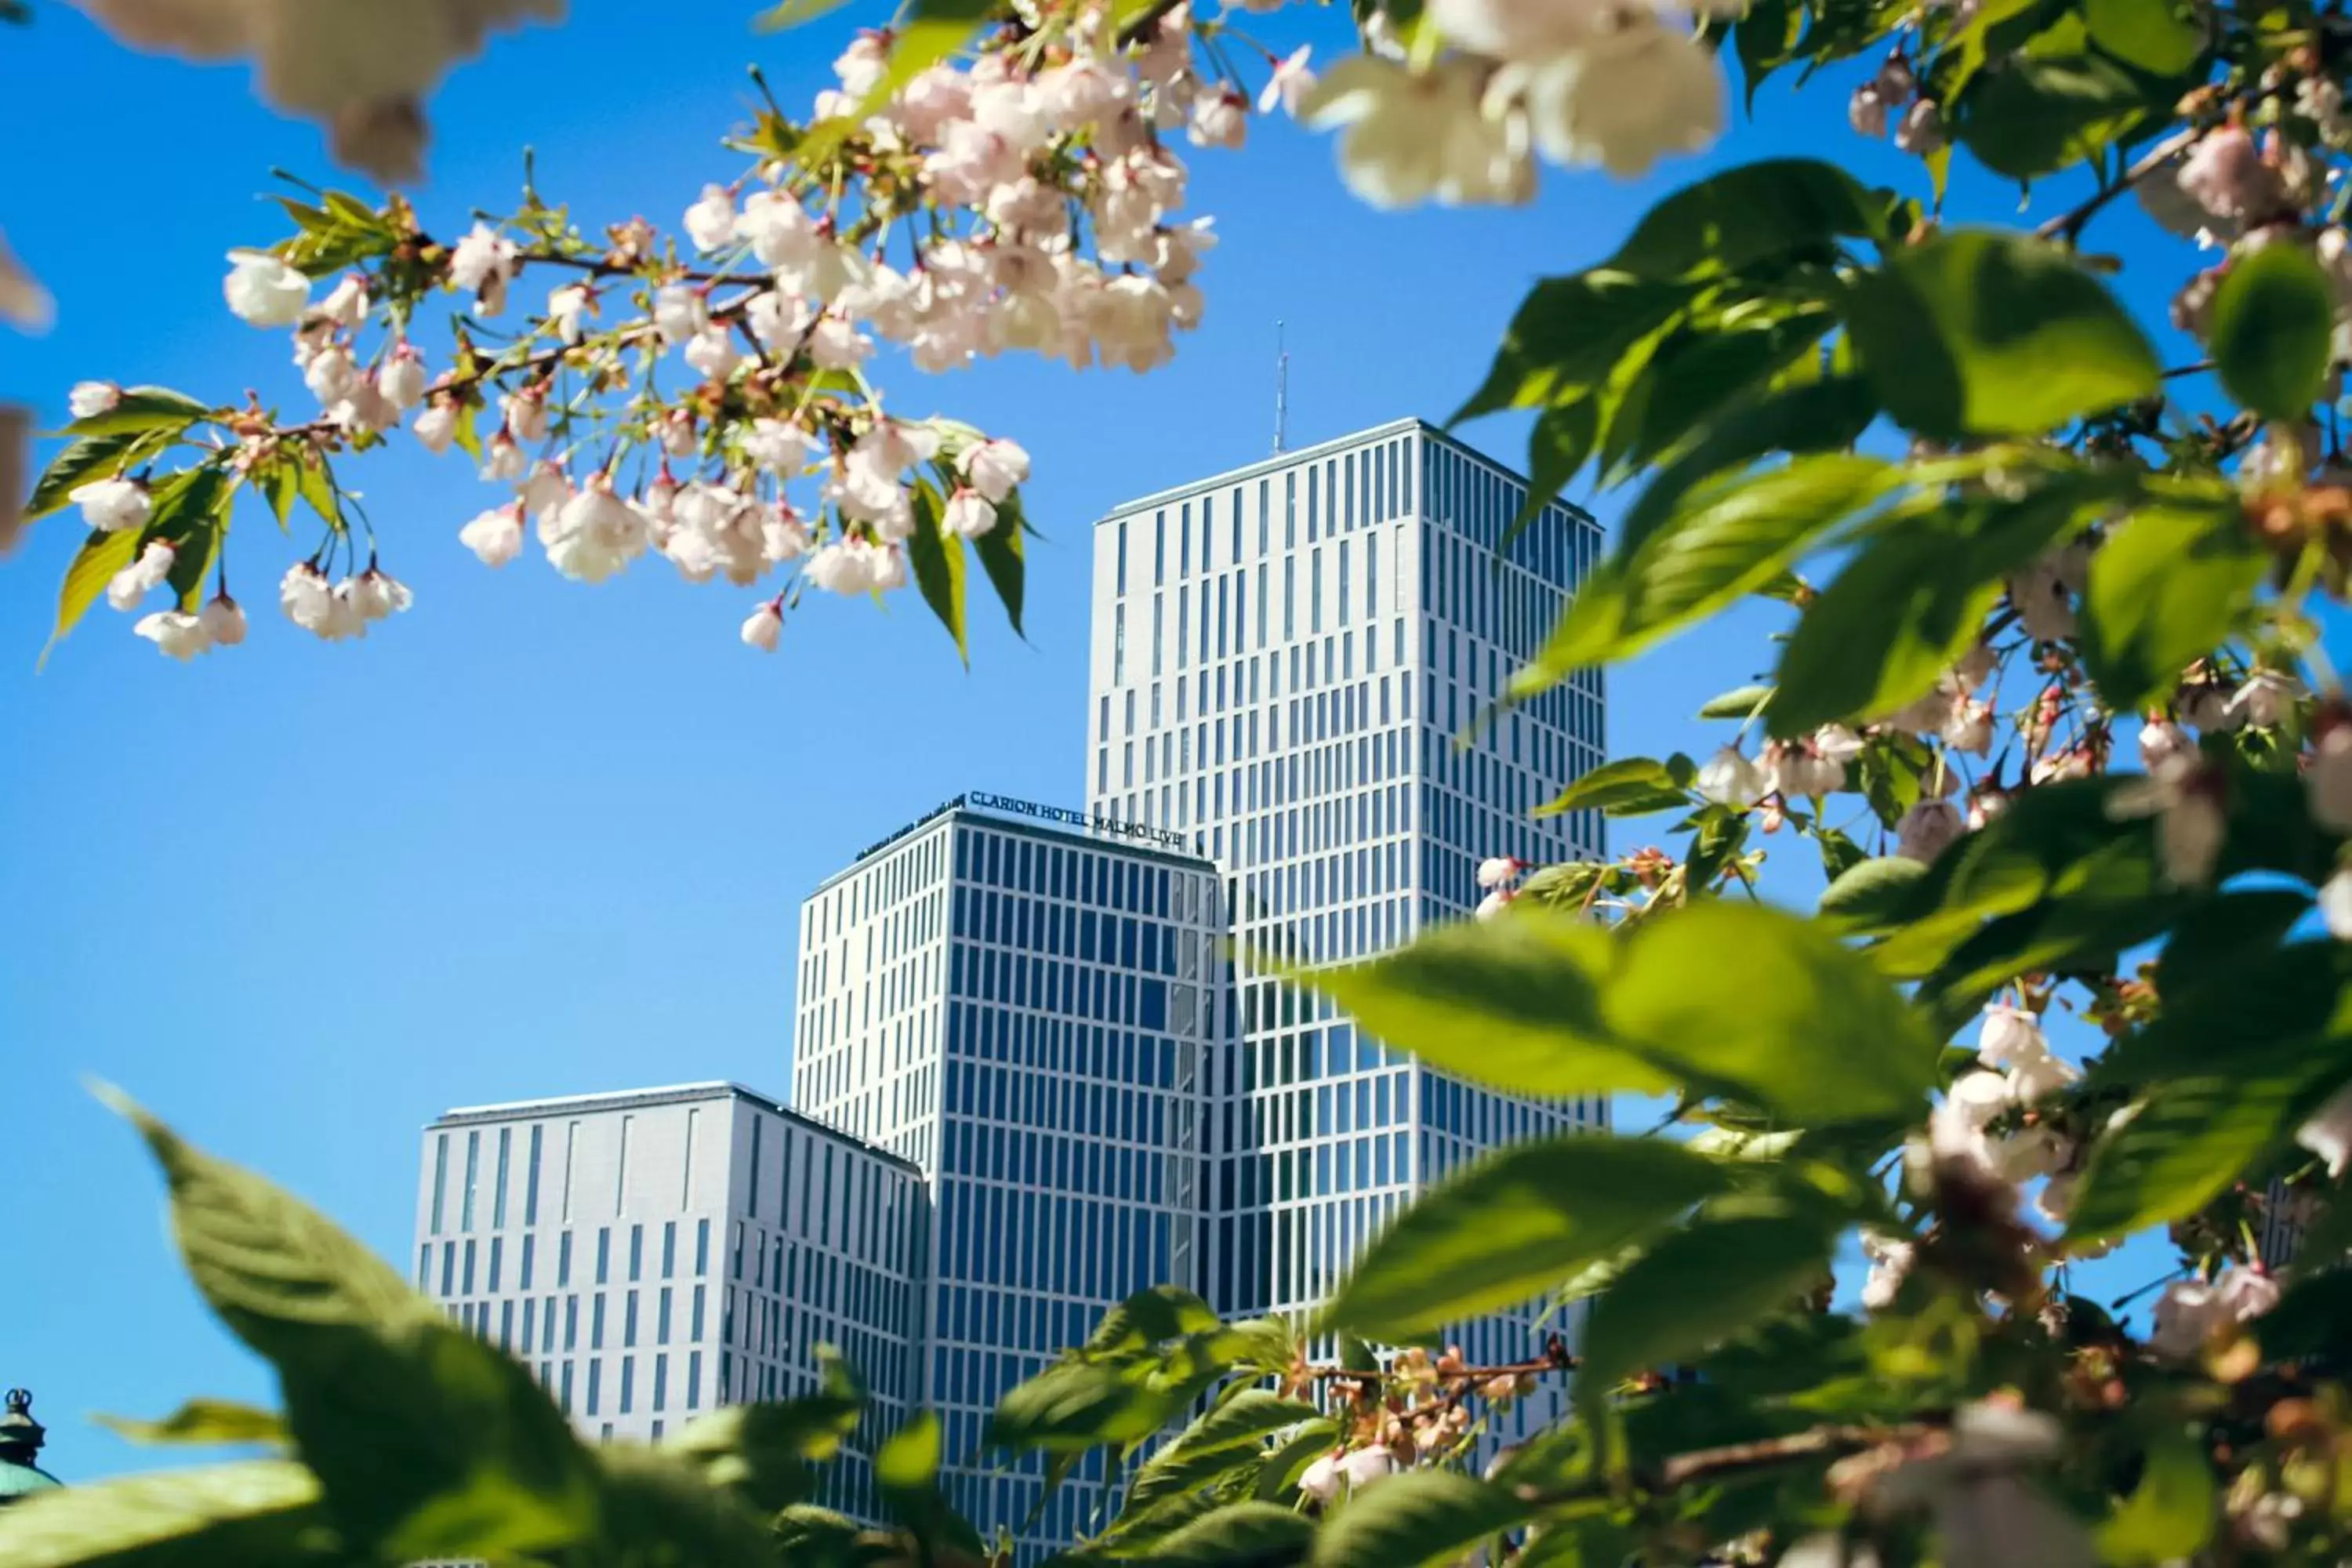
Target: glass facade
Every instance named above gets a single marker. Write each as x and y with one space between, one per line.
1025 1013
1338 754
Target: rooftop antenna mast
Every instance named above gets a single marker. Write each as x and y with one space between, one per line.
1281 390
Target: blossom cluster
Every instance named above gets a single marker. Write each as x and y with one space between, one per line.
1026 199
1610 84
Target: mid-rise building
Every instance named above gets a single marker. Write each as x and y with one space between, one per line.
1298 665
658 1253
1021 1002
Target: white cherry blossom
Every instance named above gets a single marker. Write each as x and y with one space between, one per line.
482 264
141 577
1288 83
436 428
1408 137
711 221
112 505
1638 92
764 627
263 290
2328 1133
1728 778
1927 829
222 620
402 379
1498 871
968 514
594 534
177 633
89 399
993 468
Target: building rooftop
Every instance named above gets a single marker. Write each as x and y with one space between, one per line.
673 1094
1280 460
1088 829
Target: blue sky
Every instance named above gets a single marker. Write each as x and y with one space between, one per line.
533 836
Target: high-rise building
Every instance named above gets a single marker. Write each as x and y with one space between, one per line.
661 1252
1020 1002
1062 1065
1297 665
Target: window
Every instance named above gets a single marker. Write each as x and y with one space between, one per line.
473 1173
531 1181
1119 645
440 1178
1120 582
498 1188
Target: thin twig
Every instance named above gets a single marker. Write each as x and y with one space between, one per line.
2068 226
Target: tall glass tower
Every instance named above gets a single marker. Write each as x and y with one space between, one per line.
1293 664
1019 1001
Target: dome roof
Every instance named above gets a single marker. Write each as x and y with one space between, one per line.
20 1443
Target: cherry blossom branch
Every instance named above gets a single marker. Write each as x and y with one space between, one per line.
2068 225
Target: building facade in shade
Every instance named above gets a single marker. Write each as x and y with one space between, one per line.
1025 1011
654 1254
1295 665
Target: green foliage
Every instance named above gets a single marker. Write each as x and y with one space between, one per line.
2168 586
1983 333
1629 787
2271 319
1698 1286
2169 1514
1429 1516
260 1514
202 1421
1517 1223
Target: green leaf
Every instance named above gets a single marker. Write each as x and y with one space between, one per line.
2188 1142
1415 1517
762 1452
1737 1000
2168 1517
1913 600
428 1440
253 1515
1277 1477
1980 332
1629 787
2310 1320
1515 1004
202 1422
1816 416
1515 1223
937 557
1871 895
1567 335
1722 541
1775 211
1696 372
2167 588
1077 1405
935 30
1699 1285
2215 939
909 1458
793 14
1742 702
1756 1002
2037 116
141 410
2145 33
92 458
1003 556
2273 320
93 566
656 1510
1244 1535
1228 1437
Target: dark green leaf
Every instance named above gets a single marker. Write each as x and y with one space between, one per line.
762 1452
2311 1320
1985 334
92 458
254 1515
2211 941
2167 588
1075 1406
428 1440
1631 786
1001 555
1696 372
2038 116
1148 1316
2188 1142
202 1422
1246 1536
1721 542
140 410
1774 211
2145 33
1515 1223
1569 334
1764 38
2168 1517
656 1510
937 557
1699 1285
1816 416
1742 702
1413 1518
2273 321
